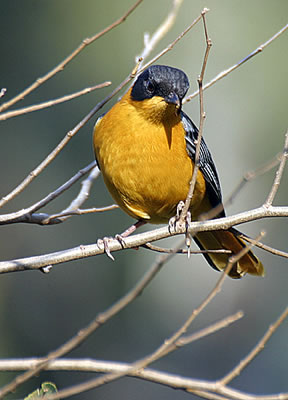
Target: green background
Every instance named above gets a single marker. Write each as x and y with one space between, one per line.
245 127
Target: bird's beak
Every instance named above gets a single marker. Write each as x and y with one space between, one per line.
173 98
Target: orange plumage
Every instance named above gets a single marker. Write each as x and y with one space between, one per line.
145 148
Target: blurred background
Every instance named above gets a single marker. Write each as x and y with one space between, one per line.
245 127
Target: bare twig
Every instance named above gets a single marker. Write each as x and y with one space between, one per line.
51 103
77 211
263 246
183 341
278 175
26 215
251 175
73 208
184 251
87 331
151 42
200 132
67 60
235 66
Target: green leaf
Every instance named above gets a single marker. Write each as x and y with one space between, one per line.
46 389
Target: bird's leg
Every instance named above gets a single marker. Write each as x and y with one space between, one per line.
120 237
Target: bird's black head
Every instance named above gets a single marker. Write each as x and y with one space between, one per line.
159 80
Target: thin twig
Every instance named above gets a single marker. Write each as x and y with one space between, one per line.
87 331
51 103
223 323
278 175
151 42
251 175
86 42
184 251
78 211
263 246
79 199
200 132
235 66
26 214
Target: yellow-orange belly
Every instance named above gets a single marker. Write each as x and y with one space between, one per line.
146 174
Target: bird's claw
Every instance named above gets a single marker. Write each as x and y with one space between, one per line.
105 243
120 240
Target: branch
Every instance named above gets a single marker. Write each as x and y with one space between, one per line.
138 240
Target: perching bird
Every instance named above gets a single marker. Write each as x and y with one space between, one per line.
145 148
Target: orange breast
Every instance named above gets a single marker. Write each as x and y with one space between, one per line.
145 164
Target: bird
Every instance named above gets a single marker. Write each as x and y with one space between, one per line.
145 147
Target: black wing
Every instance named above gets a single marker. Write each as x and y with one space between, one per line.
206 163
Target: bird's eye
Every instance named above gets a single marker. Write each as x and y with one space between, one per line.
150 87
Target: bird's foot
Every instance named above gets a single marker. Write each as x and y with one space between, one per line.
105 243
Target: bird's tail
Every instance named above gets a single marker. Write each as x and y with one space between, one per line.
248 264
